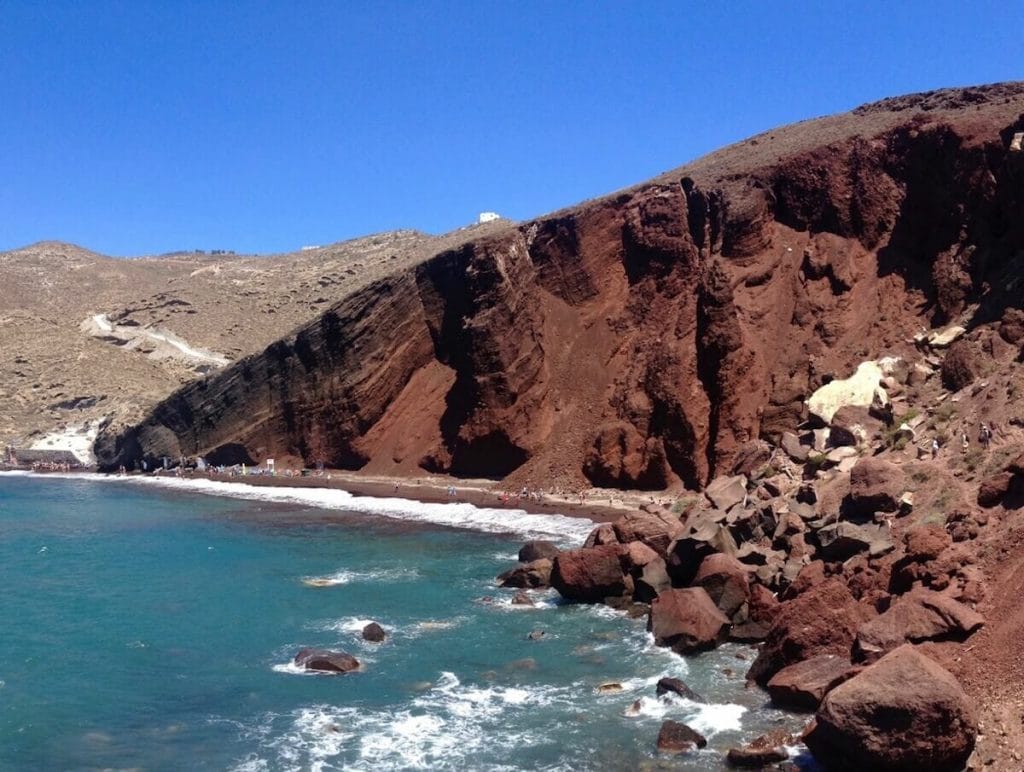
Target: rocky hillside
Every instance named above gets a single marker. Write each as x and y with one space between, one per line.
638 340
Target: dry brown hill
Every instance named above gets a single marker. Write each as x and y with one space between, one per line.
58 368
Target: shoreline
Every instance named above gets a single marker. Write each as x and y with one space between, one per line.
409 489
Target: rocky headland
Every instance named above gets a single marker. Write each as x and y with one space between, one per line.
803 351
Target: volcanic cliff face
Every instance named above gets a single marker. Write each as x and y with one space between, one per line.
637 340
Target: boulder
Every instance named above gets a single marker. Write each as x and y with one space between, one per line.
590 575
676 737
537 549
922 615
944 338
535 574
754 621
875 486
843 540
925 543
810 575
853 425
993 489
905 713
704 537
602 535
761 751
747 525
726 492
726 582
859 390
657 531
960 366
687 621
803 685
790 443
1011 327
326 661
651 581
823 619
751 457
374 633
677 686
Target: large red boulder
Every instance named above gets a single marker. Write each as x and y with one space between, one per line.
921 615
803 685
993 489
905 713
657 531
687 620
590 575
753 623
822 620
726 580
875 486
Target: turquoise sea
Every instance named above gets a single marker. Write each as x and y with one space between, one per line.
150 625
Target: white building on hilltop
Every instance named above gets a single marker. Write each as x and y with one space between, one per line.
488 217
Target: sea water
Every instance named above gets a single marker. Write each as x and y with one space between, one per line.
153 625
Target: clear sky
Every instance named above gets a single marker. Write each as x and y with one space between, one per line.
141 127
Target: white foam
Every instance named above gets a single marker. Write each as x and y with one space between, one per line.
351 577
454 515
711 719
447 727
292 669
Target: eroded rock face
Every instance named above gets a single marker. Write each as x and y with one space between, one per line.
905 713
643 339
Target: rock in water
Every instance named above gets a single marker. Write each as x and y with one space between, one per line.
374 633
326 661
677 686
687 621
534 574
537 550
676 737
761 751
905 713
590 574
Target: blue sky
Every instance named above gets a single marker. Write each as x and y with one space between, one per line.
142 127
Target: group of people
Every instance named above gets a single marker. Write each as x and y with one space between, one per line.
986 431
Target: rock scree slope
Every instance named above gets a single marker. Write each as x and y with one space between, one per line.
638 340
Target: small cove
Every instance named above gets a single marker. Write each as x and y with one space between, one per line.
148 625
